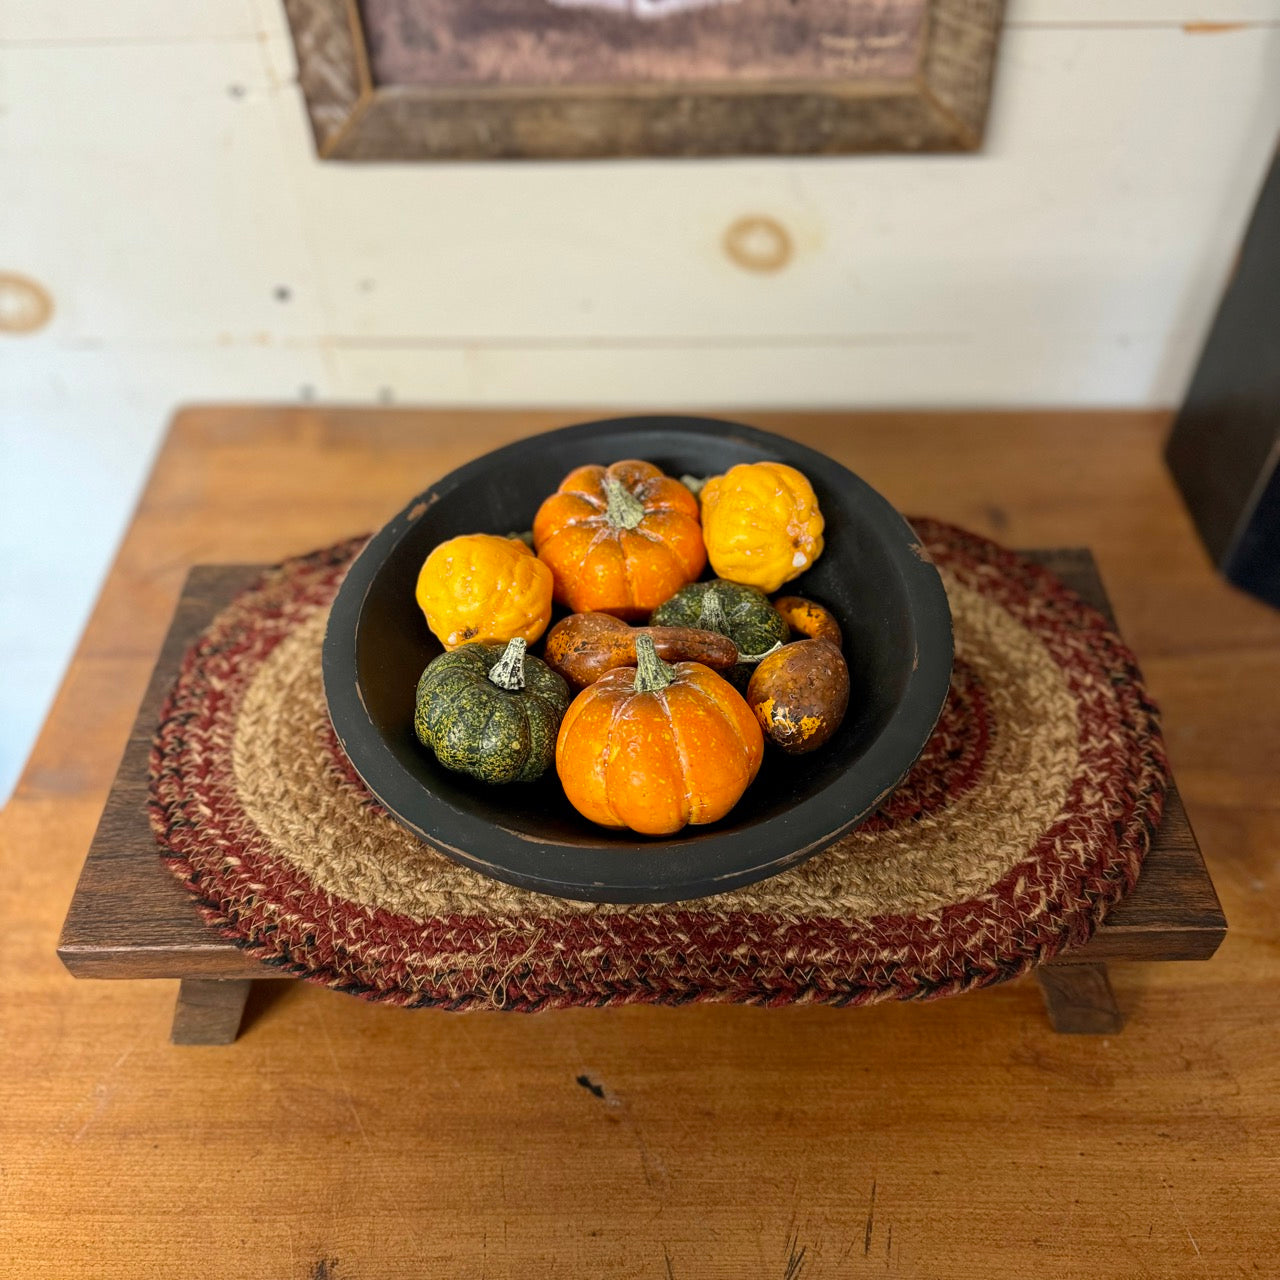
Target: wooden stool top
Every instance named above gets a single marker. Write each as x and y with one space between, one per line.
130 919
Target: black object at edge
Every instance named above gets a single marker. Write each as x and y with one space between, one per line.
1224 450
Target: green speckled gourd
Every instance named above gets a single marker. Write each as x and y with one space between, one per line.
491 711
742 613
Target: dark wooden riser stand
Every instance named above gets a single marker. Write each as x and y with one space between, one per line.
129 918
1078 998
209 1010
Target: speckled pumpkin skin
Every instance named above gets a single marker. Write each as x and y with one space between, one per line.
753 624
800 694
749 620
655 761
472 726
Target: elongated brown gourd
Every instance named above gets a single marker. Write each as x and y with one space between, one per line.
583 646
800 692
744 614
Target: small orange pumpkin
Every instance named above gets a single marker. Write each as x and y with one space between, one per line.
485 588
619 539
657 747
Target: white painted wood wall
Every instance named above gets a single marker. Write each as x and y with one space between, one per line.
156 176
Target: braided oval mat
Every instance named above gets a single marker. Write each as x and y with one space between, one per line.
1026 817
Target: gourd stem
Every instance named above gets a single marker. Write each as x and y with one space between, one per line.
712 616
623 509
508 672
652 674
760 657
694 484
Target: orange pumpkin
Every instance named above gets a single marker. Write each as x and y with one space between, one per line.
658 746
619 539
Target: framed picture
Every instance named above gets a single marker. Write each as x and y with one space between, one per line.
499 79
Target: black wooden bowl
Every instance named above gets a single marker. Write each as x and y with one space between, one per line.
873 575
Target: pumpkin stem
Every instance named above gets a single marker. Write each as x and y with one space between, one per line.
508 672
712 617
694 484
623 510
652 674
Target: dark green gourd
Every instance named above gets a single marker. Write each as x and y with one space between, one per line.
742 613
491 711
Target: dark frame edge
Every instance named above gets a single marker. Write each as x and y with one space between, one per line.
958 70
942 109
333 68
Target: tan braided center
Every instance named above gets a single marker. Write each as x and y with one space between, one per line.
289 790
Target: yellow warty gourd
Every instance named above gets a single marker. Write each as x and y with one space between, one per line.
761 524
485 588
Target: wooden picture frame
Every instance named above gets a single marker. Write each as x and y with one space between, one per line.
931 95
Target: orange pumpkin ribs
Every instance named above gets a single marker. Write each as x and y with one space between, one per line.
657 747
619 539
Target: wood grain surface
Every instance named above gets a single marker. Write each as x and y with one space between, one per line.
957 1139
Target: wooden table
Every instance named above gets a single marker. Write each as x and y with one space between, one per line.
960 1138
130 919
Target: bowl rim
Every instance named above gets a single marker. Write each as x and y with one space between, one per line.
646 871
